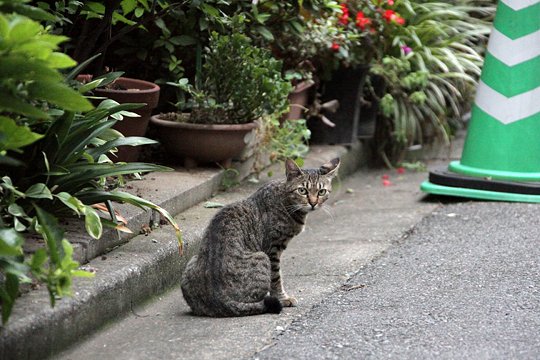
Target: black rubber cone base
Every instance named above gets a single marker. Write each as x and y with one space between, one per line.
452 184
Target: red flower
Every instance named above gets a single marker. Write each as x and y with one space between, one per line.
390 2
385 177
400 170
362 21
335 47
386 183
344 18
391 16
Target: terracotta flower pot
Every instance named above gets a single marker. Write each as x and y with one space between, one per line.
298 100
203 143
129 90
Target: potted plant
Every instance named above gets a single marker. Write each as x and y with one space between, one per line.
128 90
347 41
239 83
98 30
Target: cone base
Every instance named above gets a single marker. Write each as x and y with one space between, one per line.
457 167
446 183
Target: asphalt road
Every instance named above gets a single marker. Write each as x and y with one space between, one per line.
465 284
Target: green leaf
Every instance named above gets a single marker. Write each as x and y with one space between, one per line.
38 191
109 78
71 202
82 273
53 234
12 104
13 136
261 18
213 204
263 30
183 40
21 68
131 141
24 29
38 259
18 225
77 70
16 210
8 294
33 12
139 12
128 6
210 10
81 174
10 243
96 7
60 95
92 222
96 196
60 61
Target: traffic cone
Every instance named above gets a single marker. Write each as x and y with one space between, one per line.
501 155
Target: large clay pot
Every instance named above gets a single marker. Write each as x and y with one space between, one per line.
127 90
203 143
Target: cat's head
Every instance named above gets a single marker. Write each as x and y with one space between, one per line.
310 188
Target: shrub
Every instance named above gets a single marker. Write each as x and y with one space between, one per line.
239 83
54 158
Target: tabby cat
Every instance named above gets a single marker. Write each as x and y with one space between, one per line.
237 270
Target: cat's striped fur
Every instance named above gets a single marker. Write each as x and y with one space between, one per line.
237 270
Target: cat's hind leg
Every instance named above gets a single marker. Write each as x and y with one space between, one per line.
246 286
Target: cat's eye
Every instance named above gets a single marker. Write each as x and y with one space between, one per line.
302 191
322 192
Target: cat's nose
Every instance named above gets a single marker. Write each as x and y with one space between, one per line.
312 205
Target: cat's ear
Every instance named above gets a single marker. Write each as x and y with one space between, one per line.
291 169
330 168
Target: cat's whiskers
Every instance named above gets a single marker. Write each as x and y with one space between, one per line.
327 210
291 209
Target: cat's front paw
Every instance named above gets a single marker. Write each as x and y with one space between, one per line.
288 301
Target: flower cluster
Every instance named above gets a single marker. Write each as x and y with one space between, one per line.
363 22
392 16
344 17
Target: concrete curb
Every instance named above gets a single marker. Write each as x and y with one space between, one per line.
132 273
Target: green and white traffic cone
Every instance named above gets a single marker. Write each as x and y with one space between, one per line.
501 155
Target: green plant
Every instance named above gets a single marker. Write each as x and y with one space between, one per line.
430 69
54 159
286 140
239 83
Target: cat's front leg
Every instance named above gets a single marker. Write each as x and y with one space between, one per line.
276 286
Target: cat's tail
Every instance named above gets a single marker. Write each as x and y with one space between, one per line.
270 304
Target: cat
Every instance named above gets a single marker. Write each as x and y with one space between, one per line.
237 270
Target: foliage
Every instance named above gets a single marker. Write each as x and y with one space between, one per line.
95 26
286 140
54 158
345 34
430 68
239 83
